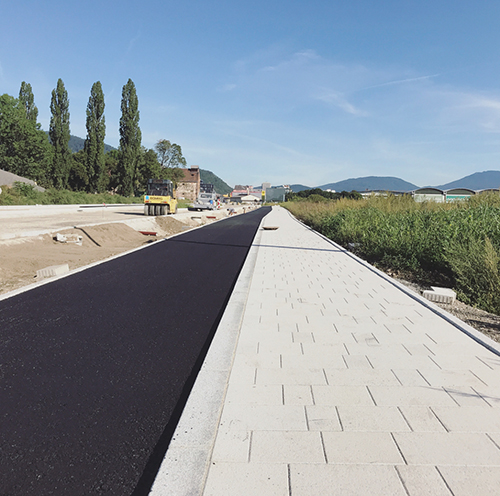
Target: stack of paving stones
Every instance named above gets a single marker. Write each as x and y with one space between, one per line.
343 384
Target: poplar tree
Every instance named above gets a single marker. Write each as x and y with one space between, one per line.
94 143
27 100
130 139
59 136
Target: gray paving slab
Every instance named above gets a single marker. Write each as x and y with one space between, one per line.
344 382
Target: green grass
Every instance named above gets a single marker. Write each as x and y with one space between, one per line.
457 244
25 194
184 203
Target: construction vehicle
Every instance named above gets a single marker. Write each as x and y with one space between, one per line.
207 199
159 199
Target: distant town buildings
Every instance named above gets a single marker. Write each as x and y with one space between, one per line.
266 192
431 194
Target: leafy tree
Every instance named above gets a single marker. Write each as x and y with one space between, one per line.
94 143
59 136
24 148
111 176
27 100
130 139
78 175
171 160
148 168
169 154
312 195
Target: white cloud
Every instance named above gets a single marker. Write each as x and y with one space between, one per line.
227 87
339 100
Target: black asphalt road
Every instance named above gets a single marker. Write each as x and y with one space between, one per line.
95 368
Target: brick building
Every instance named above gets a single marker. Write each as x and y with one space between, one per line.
188 187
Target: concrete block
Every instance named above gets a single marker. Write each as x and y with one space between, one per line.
469 418
422 480
362 447
53 270
263 417
340 395
231 446
370 419
69 238
447 448
421 419
251 394
440 295
228 479
466 481
349 480
410 396
297 395
323 418
286 447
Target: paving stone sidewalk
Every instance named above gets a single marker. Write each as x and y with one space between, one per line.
343 384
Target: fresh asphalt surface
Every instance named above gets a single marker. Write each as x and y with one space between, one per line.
95 368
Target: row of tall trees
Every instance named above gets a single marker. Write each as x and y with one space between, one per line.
26 150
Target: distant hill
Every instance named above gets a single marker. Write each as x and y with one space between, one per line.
371 183
220 186
298 187
76 144
478 180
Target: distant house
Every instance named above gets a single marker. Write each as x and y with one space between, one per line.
458 194
250 199
429 194
188 187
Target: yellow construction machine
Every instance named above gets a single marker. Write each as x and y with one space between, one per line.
159 199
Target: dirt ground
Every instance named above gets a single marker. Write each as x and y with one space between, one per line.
20 258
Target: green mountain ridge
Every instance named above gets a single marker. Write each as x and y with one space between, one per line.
76 144
476 182
220 186
371 183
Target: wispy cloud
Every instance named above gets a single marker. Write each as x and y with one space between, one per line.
227 87
340 101
473 111
402 81
133 41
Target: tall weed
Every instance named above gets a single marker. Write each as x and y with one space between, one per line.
459 242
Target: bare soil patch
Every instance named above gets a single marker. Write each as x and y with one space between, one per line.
20 258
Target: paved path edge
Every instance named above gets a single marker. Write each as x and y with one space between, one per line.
184 469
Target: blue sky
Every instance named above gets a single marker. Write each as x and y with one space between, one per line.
277 91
